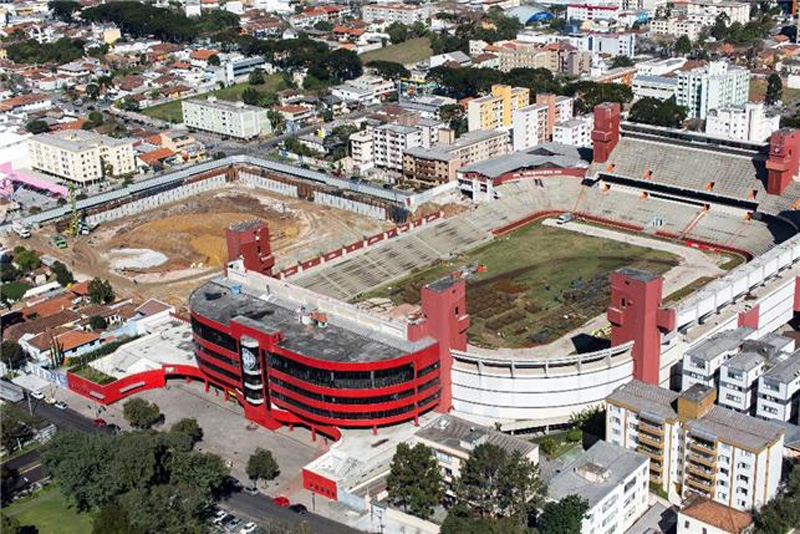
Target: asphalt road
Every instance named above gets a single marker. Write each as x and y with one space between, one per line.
259 508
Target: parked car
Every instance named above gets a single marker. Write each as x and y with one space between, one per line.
49 400
248 528
38 395
251 490
231 523
281 501
112 429
61 405
298 509
219 517
565 218
99 422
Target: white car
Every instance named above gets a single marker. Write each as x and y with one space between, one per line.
38 395
248 528
219 517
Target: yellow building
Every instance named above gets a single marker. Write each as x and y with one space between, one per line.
111 35
496 110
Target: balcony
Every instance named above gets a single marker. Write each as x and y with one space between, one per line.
707 461
654 453
701 471
700 484
645 439
703 447
651 428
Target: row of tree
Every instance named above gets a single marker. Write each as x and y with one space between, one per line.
496 492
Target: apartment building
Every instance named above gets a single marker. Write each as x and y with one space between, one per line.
707 11
364 90
534 124
613 44
613 481
651 86
701 363
712 85
696 447
81 156
361 150
521 55
575 132
746 122
496 110
439 164
677 27
406 14
592 11
390 141
453 439
234 119
779 389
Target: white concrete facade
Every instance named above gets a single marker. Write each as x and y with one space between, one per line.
234 119
80 156
715 85
747 122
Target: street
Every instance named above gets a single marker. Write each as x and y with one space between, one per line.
259 508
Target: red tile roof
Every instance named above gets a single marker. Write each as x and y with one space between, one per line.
22 100
203 55
48 307
717 514
155 156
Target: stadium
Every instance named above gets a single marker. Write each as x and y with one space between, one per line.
330 343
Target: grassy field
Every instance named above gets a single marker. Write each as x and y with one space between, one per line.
758 88
90 373
410 51
171 111
49 513
540 282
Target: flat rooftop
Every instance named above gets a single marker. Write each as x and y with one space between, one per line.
732 427
608 465
462 435
223 301
718 344
786 370
79 140
646 399
745 361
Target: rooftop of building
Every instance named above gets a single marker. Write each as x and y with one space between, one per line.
596 473
80 140
213 102
462 435
646 399
786 369
223 301
720 343
446 152
545 155
745 361
716 514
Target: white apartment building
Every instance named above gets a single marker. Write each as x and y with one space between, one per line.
651 86
535 124
592 11
738 381
746 122
715 85
364 89
361 150
701 363
575 132
80 156
779 390
677 27
615 483
613 44
696 447
234 119
707 11
389 141
406 14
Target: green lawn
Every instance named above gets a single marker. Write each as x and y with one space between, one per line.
758 88
49 513
90 373
540 282
407 52
562 444
14 290
171 111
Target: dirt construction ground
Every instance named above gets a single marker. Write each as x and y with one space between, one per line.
166 252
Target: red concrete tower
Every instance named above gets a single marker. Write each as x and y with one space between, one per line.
636 315
784 160
444 307
250 241
606 130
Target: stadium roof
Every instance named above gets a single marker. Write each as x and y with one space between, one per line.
546 155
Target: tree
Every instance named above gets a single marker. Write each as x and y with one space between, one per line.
96 118
9 525
548 446
203 471
63 9
63 275
251 96
460 520
397 32
96 322
190 427
214 60
323 26
129 104
114 518
453 115
774 89
26 259
257 77
415 482
18 427
657 112
262 465
100 291
11 353
683 45
141 413
563 517
37 126
494 483
388 69
621 61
